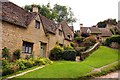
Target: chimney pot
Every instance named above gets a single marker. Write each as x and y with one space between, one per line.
81 25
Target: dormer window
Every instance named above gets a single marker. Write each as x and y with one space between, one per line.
60 32
37 24
88 31
68 36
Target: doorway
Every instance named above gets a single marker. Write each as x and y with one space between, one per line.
42 49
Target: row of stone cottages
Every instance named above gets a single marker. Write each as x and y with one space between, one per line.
31 32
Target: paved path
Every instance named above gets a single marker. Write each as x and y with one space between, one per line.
112 75
24 73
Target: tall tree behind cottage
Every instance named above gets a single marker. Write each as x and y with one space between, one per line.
58 13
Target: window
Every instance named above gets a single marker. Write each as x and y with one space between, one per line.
68 36
27 47
37 24
60 32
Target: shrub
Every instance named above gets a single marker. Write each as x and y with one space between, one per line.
69 55
56 53
5 53
68 48
79 39
114 38
7 70
16 54
4 62
89 41
72 44
21 63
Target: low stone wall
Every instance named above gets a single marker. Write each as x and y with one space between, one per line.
89 51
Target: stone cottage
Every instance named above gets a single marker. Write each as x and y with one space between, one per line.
102 33
29 31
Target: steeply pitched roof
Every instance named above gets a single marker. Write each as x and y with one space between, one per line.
16 15
49 25
92 29
66 30
105 32
72 28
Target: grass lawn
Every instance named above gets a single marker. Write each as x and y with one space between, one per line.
101 57
69 69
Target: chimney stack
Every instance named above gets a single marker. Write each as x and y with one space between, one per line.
35 8
81 25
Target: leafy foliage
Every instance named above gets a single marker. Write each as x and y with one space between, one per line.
114 38
58 13
21 64
69 55
68 48
56 53
101 24
5 53
89 41
16 54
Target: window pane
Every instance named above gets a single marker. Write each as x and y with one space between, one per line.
26 49
23 49
37 24
30 51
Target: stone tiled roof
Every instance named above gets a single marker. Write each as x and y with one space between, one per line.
92 29
66 30
72 28
16 15
105 32
49 25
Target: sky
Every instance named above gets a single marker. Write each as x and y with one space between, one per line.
87 12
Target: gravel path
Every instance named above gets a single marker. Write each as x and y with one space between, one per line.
112 75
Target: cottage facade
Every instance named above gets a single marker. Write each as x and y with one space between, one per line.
29 31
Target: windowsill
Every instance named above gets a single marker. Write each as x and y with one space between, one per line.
26 53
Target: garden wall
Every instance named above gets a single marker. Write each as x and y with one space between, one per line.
89 51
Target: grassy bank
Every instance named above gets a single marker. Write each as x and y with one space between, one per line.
69 69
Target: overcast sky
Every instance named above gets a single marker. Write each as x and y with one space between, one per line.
88 12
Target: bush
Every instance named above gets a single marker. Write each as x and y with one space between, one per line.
56 53
72 44
69 55
68 48
4 62
21 64
114 38
16 54
79 39
5 53
7 70
89 41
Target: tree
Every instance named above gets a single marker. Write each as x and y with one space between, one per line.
101 24
63 14
58 13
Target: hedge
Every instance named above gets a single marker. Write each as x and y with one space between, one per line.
114 38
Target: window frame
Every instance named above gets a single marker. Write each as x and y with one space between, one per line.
37 24
27 47
60 32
